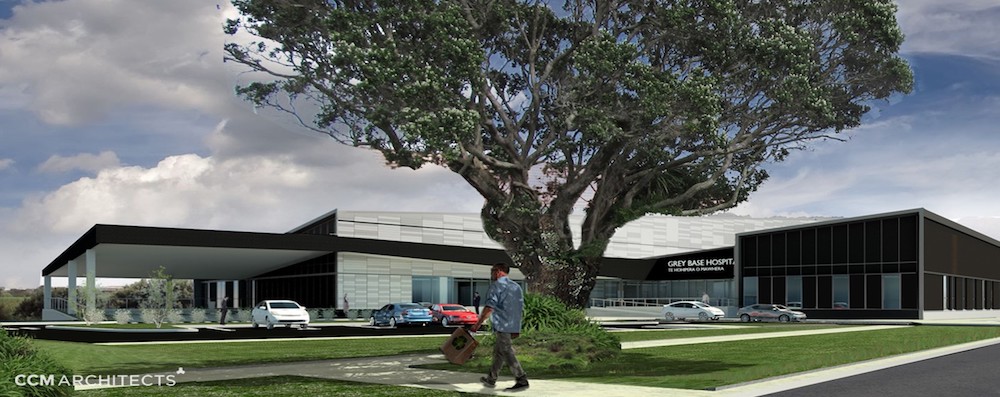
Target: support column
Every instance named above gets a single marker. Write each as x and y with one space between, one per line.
220 292
91 272
236 293
253 292
47 293
71 287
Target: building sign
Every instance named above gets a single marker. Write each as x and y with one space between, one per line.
714 264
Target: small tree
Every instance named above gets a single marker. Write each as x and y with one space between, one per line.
160 302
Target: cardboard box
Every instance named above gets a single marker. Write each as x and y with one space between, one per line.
458 348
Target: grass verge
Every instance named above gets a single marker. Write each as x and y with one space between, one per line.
707 366
84 358
731 329
292 386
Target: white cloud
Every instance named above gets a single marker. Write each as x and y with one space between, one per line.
964 27
100 55
250 193
6 163
84 162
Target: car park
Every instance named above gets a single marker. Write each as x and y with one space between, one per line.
766 311
453 314
690 310
404 313
270 313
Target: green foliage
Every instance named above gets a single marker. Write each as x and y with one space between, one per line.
6 309
31 307
19 357
159 305
671 107
556 337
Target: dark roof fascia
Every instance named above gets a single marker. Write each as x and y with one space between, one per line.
915 211
626 268
959 227
405 249
87 241
143 235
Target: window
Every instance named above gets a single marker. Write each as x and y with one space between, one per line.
794 289
890 291
749 290
841 291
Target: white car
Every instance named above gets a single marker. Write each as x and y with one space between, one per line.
276 312
691 310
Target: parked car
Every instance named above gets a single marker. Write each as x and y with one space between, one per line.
682 310
840 306
448 314
279 312
763 311
395 314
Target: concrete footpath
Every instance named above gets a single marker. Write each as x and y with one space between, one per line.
398 370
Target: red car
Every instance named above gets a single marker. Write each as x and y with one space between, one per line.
450 314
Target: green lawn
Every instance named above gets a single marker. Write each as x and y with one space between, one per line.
697 366
706 366
733 329
133 359
291 386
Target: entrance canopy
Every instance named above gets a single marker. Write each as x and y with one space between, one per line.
135 252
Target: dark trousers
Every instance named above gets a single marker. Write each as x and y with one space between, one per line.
222 316
503 354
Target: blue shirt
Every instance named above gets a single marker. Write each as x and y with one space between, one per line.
507 301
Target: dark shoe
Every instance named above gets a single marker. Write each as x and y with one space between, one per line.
522 383
487 382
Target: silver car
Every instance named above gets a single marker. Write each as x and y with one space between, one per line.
691 310
279 312
766 311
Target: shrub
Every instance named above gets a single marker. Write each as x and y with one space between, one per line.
123 316
198 316
150 316
6 309
314 315
93 315
175 316
240 315
19 356
330 313
556 337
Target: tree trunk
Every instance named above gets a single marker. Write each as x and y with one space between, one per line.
541 247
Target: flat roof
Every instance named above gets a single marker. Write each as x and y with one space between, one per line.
137 251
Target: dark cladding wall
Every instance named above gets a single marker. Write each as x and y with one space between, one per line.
866 268
312 283
963 271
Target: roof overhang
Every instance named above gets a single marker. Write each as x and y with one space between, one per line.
136 252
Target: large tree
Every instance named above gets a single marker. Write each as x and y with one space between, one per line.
623 107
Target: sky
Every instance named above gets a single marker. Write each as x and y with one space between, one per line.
122 112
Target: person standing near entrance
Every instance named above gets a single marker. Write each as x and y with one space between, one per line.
475 301
505 308
704 297
223 309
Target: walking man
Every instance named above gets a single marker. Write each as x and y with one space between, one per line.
475 301
505 308
223 309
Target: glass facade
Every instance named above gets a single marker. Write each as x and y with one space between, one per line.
867 264
663 290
